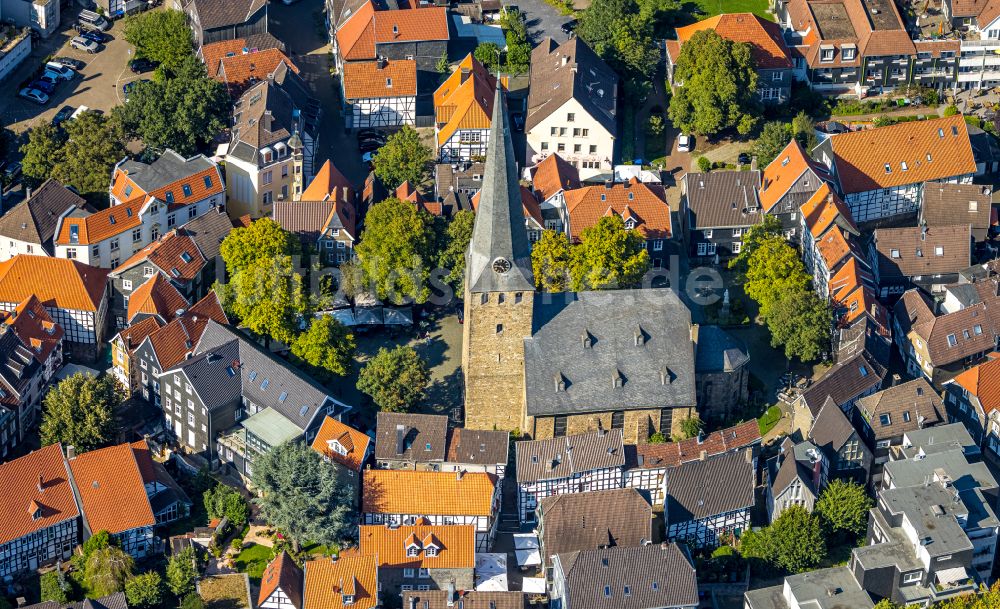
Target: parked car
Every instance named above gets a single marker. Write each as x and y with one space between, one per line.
141 65
368 157
43 86
568 27
368 133
12 172
743 158
34 95
83 44
96 36
63 72
63 115
93 21
370 145
69 62
684 143
50 77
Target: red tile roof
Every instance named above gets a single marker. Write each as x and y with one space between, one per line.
670 454
174 253
983 381
19 489
643 203
112 493
326 184
456 545
327 581
357 37
552 175
282 573
825 208
238 70
156 297
32 324
433 493
372 79
764 37
133 335
176 339
464 100
353 441
783 171
57 282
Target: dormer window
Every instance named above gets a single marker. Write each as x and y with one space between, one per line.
413 550
187 190
348 599
431 551
826 53
336 447
169 196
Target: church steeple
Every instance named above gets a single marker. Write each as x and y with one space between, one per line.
499 256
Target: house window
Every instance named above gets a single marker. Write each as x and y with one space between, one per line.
126 284
593 149
268 177
545 146
171 220
939 250
423 573
885 419
882 444
914 576
187 190
408 572
431 551
570 117
561 147
952 341
657 245
618 419
826 54
894 253
553 131
737 246
137 235
412 551
707 233
208 181
268 197
114 244
147 271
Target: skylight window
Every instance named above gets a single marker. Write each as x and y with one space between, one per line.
186 257
885 419
128 190
111 219
187 190
128 212
906 416
894 253
253 375
977 329
785 160
903 166
863 370
264 384
303 411
282 397
888 168
208 181
940 132
952 341
169 196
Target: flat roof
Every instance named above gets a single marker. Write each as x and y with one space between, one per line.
832 20
271 427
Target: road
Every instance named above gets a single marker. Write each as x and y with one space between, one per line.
542 20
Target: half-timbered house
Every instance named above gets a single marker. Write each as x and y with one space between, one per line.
568 464
421 556
463 105
706 499
347 581
380 94
787 183
281 584
402 497
346 449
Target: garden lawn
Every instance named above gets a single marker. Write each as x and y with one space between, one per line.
769 419
253 560
320 550
224 591
718 7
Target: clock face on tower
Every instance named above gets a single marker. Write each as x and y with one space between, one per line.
501 265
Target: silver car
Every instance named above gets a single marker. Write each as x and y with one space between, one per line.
34 95
82 44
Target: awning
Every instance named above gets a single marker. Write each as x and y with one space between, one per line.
525 541
491 572
344 316
528 558
533 585
368 316
955 574
402 316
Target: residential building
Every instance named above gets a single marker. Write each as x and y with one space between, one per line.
74 295
851 378
455 184
940 341
112 601
477 450
421 556
346 448
881 173
722 373
380 94
272 151
642 207
647 464
462 110
533 220
167 499
941 438
402 497
213 53
113 498
30 226
215 20
648 577
349 581
156 297
123 352
469 599
572 107
823 589
860 319
795 476
570 464
843 447
972 399
946 205
242 62
717 208
829 238
787 183
281 585
919 256
550 180
885 416
699 514
771 56
411 441
31 347
549 384
39 514
187 258
323 216
590 521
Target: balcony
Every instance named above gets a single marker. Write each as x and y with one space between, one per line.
949 582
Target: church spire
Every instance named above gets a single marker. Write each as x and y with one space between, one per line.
499 256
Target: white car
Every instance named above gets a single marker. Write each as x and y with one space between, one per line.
34 95
684 143
63 72
82 44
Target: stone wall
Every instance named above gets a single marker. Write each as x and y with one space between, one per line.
639 424
392 578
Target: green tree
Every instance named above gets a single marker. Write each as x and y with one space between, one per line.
720 82
773 138
609 257
704 164
162 36
264 238
843 508
303 496
457 238
794 541
182 570
800 321
488 54
79 412
184 112
97 541
443 67
759 233
41 151
92 147
327 347
691 426
621 33
396 379
192 601
404 158
224 501
804 130
267 297
107 570
518 45
54 587
774 269
396 252
144 591
550 261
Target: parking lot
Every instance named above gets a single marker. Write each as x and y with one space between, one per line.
99 85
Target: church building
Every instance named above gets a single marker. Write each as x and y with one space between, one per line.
553 365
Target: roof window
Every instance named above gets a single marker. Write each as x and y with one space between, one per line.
952 340
940 132
885 419
187 190
111 219
128 190
186 257
785 160
282 397
888 168
208 181
264 384
253 375
303 411
169 196
894 253
903 166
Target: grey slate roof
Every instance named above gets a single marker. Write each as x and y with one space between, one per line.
656 575
719 351
792 464
499 230
657 370
812 589
421 437
253 128
939 438
588 521
470 599
168 168
208 230
34 219
830 429
583 76
845 381
723 199
909 406
689 497
220 13
562 457
947 204
112 601
477 446
964 475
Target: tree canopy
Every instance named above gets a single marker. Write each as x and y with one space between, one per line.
267 297
550 261
144 591
182 571
79 412
843 508
488 54
609 257
326 347
793 542
41 151
107 569
458 234
81 154
303 496
223 501
773 138
404 158
397 251
756 235
621 33
161 36
773 270
264 238
719 84
396 379
518 51
800 321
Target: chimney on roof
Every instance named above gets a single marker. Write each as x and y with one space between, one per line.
564 60
41 485
71 452
451 593
665 378
702 455
459 473
400 434
609 183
